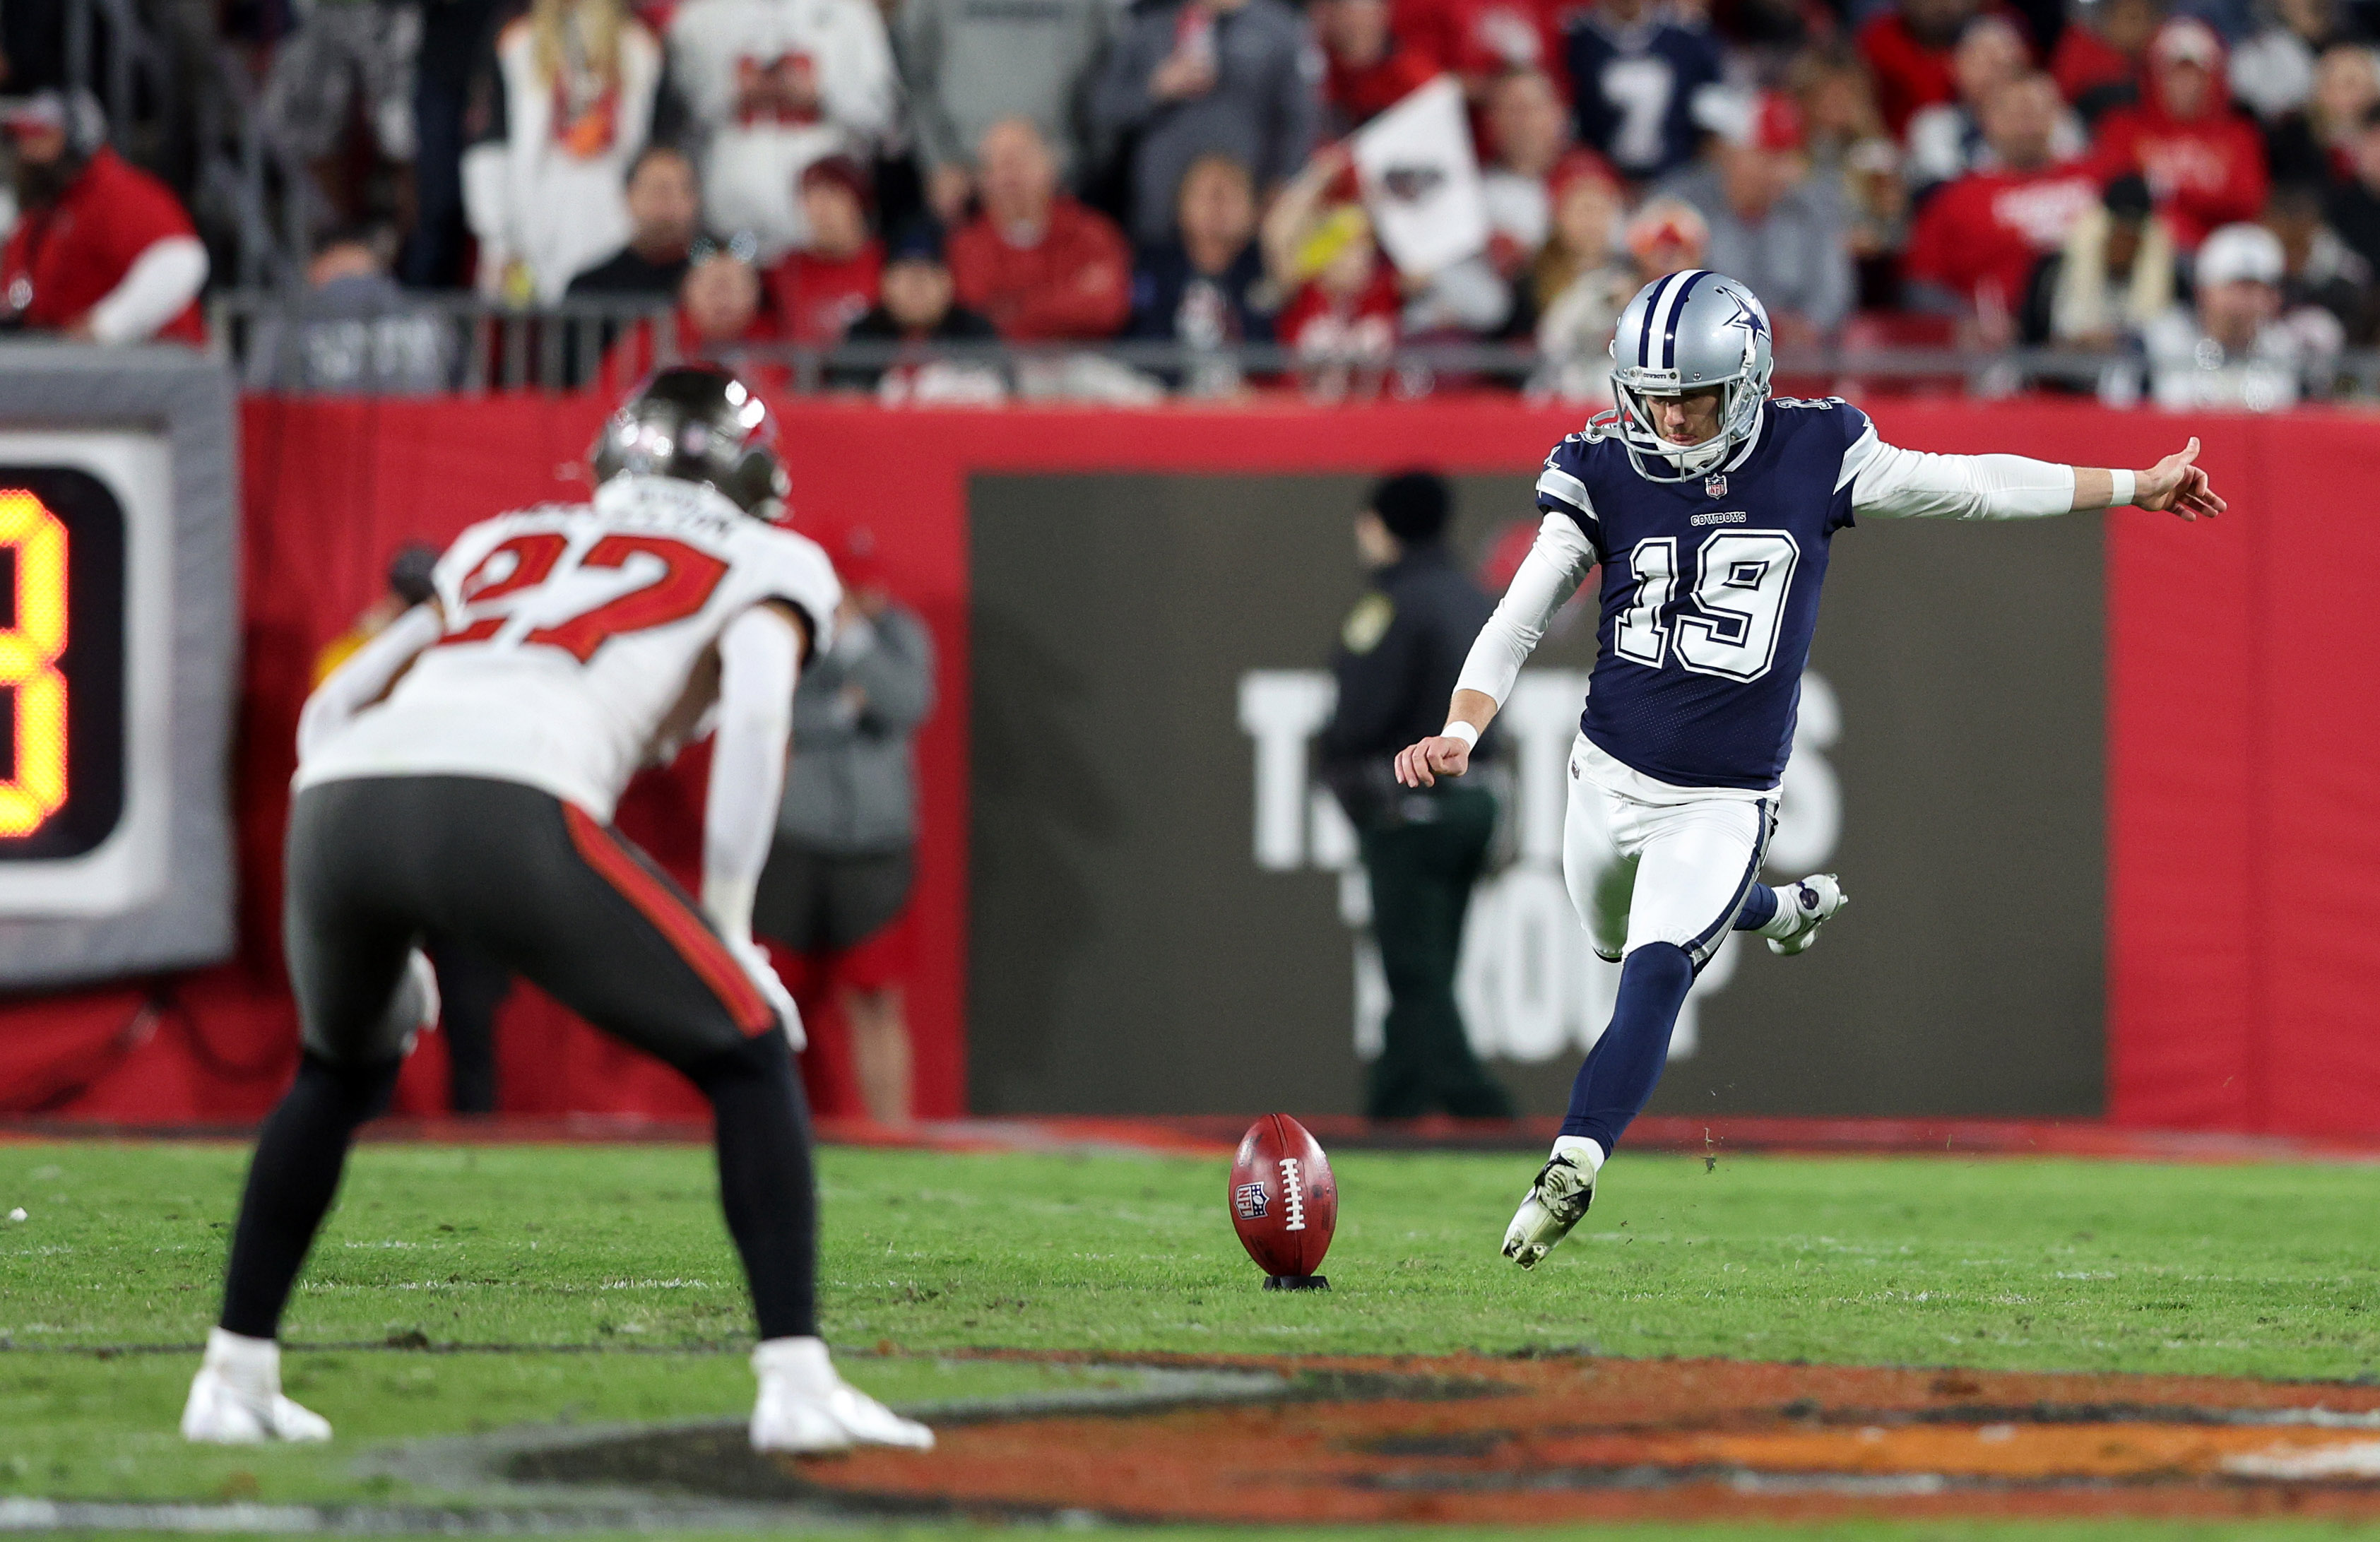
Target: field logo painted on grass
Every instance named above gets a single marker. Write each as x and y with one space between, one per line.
1530 987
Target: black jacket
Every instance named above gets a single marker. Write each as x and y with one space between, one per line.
1399 654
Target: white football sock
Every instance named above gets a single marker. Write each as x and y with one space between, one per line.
802 1363
1583 1150
251 1365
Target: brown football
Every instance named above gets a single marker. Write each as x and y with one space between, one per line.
1284 1202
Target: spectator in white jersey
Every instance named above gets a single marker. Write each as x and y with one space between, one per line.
560 106
773 85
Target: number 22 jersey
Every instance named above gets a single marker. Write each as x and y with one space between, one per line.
577 641
1709 591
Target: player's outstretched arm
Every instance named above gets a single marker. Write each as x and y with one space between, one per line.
1893 483
1561 558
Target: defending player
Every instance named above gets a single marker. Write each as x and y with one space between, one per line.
458 774
1710 507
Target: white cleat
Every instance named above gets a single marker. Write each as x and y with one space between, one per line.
1814 900
236 1397
1557 1201
806 1409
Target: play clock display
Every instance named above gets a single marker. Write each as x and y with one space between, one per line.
119 646
62 636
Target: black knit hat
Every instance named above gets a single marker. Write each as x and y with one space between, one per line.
1414 506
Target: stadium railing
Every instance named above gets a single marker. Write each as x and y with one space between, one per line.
451 342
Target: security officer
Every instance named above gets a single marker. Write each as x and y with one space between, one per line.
1398 657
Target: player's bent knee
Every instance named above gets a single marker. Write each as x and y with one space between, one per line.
1662 960
360 1088
764 1056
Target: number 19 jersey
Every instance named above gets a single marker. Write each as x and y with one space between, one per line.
1710 592
578 641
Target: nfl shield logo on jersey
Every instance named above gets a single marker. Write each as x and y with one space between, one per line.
1714 486
1248 1202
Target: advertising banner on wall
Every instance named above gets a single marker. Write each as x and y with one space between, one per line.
1169 915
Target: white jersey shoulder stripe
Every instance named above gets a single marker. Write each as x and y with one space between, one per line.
1558 484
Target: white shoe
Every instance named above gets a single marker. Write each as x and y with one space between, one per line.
1814 900
805 1407
1557 1201
236 1397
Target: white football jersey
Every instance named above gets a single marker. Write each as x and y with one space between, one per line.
578 641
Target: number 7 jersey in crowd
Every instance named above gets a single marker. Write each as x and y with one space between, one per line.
577 641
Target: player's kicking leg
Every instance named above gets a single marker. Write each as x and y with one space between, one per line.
1687 870
1790 917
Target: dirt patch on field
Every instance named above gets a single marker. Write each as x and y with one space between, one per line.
1467 1439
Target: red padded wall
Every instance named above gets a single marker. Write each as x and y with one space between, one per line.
2243 736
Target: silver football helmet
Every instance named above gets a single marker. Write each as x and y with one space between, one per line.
1688 332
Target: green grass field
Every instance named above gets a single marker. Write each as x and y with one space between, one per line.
594 1284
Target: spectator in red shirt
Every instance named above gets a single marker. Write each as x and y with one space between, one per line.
1038 263
821 288
1907 51
1480 40
2097 61
1369 70
2203 159
102 251
1346 305
1974 248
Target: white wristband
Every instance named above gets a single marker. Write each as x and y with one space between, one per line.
2125 485
1458 729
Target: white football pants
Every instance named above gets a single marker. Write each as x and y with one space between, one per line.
1644 872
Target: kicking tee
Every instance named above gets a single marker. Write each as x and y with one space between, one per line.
577 641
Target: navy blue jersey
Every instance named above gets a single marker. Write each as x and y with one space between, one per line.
1710 592
1633 93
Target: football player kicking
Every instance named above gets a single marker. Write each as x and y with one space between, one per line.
457 776
1710 508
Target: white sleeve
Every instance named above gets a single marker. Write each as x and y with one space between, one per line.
1893 483
1550 575
366 677
165 277
759 666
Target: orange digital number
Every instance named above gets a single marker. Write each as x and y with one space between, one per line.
28 662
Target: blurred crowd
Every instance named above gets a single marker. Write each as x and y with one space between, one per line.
2189 188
